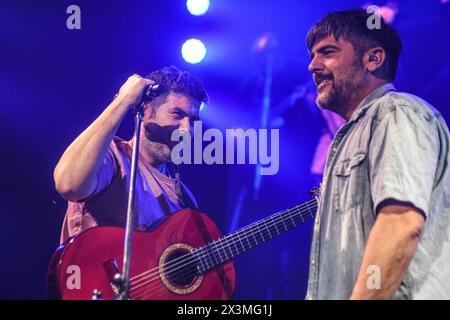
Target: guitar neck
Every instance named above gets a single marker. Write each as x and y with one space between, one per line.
242 240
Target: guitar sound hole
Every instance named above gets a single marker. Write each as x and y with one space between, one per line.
180 268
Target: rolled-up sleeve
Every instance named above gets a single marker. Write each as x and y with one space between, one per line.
403 157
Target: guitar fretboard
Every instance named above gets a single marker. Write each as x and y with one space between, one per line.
225 248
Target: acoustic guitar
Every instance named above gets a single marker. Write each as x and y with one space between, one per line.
185 257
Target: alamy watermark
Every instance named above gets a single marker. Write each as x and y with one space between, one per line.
257 141
73 21
73 281
374 278
374 21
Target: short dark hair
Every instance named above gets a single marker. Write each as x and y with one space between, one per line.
175 80
351 25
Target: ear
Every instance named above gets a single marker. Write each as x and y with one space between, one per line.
374 59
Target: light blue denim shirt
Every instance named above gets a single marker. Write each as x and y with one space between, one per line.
394 147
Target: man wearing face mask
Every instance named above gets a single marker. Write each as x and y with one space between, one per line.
93 174
383 222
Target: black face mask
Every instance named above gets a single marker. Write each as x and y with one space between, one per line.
156 133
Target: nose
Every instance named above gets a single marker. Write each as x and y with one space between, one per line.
315 65
185 125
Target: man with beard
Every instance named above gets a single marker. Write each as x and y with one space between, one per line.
382 226
93 174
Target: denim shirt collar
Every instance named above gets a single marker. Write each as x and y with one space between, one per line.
367 101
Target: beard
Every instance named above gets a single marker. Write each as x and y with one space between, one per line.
159 152
340 91
157 142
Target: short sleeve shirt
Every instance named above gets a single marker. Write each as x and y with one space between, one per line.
156 195
395 148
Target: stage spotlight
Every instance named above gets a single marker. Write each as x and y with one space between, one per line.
197 7
193 51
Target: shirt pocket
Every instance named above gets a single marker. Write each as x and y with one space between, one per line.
349 177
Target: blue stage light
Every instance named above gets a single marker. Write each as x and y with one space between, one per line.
193 51
197 7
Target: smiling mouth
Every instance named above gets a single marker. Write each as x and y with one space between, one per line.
323 83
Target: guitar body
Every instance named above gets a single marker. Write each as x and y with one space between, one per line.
90 260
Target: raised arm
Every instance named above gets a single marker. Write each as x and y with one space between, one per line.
76 172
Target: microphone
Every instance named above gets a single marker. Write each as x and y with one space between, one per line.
150 93
154 90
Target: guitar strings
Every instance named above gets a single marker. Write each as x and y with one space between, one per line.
142 292
192 258
246 229
148 289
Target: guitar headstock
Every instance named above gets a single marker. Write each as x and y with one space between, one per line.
315 192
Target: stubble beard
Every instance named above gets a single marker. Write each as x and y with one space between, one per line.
343 90
159 152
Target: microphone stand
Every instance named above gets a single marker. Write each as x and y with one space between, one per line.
122 281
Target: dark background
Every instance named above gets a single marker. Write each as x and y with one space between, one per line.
54 82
